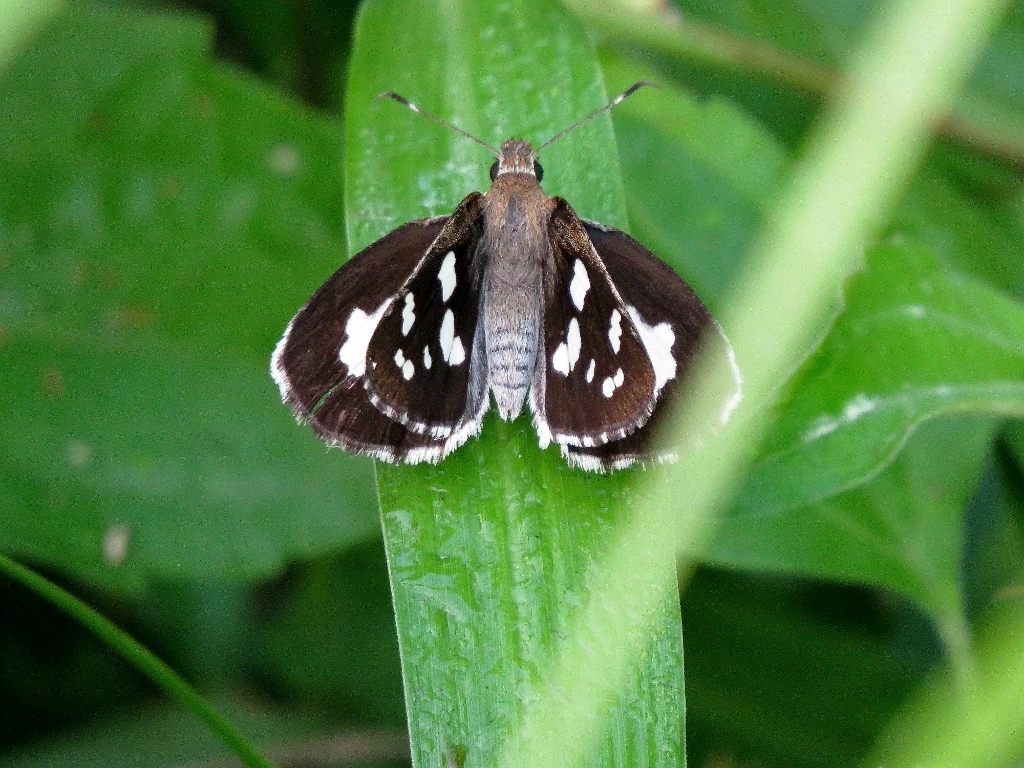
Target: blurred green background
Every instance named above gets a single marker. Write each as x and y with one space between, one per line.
171 192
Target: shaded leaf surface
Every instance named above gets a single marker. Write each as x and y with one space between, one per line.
160 219
795 673
156 736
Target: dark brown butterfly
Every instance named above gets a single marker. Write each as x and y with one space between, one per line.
513 295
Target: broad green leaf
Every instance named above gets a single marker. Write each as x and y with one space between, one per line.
699 207
993 558
947 725
160 220
781 59
902 530
855 165
914 341
995 99
973 228
819 29
491 551
271 34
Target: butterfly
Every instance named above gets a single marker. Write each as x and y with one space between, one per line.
512 297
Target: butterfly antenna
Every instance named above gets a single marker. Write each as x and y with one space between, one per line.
617 100
438 120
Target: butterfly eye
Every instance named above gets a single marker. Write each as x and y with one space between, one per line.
494 171
537 170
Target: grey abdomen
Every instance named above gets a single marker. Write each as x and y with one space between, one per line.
515 243
512 332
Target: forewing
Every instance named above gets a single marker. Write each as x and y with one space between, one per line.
594 382
424 366
672 322
320 361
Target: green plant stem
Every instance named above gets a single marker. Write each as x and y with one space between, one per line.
156 670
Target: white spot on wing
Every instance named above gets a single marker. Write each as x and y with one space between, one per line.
610 384
447 276
427 362
568 352
408 369
458 355
579 286
451 345
408 315
572 339
560 360
590 371
657 340
447 336
359 329
615 331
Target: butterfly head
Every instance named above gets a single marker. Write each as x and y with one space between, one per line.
516 156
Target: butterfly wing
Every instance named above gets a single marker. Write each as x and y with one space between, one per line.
671 321
594 381
425 363
320 363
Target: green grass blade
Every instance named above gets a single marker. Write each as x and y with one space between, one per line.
493 551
